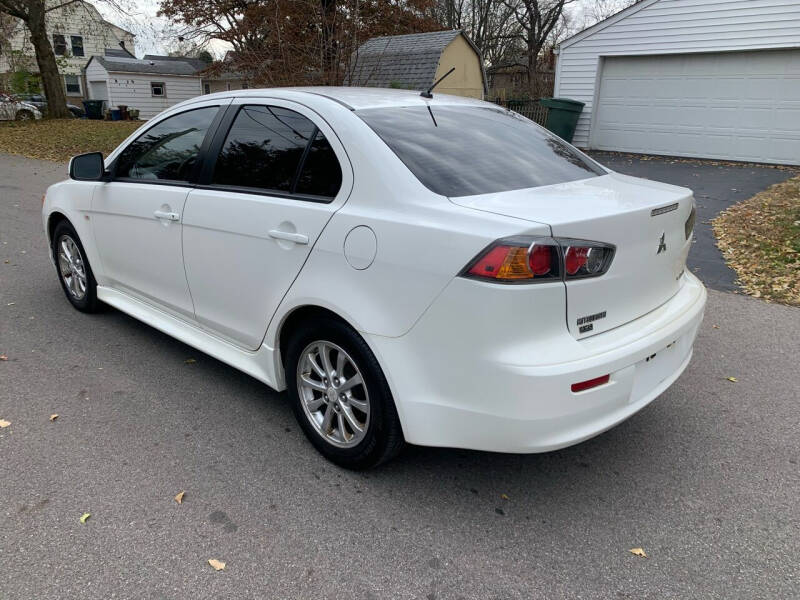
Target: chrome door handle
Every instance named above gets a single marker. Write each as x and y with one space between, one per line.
297 238
169 216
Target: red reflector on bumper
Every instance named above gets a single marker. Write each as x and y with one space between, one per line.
590 383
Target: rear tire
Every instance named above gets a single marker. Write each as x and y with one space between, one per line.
342 402
74 271
24 115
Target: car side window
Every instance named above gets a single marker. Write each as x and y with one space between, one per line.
168 151
277 149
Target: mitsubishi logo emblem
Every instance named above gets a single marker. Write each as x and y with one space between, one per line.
662 245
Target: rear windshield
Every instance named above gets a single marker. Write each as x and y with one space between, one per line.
467 150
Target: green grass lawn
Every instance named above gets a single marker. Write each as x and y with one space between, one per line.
60 139
760 239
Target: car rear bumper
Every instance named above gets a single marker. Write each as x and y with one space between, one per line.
456 390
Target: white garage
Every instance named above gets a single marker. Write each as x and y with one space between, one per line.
704 78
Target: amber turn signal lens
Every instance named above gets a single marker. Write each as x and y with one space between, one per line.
503 262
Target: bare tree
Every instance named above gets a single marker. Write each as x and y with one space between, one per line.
294 42
537 20
600 10
490 24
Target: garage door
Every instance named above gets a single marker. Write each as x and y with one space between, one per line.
98 90
734 106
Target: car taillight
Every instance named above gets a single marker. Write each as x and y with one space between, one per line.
585 259
689 225
532 259
517 260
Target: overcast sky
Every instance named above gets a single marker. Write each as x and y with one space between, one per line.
155 36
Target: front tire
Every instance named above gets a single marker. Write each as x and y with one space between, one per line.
74 271
24 115
340 396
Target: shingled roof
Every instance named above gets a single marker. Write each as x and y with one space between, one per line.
408 61
197 63
136 65
120 52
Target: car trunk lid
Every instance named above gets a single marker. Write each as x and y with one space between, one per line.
644 220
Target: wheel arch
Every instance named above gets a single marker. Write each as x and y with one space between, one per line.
53 219
292 320
304 312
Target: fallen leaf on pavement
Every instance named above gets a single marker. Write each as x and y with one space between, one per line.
733 379
190 361
217 565
11 304
715 326
638 552
3 357
53 417
85 517
504 496
179 497
4 424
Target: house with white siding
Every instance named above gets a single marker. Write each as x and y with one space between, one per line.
715 79
76 31
145 84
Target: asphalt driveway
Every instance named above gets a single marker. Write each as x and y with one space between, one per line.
705 479
716 186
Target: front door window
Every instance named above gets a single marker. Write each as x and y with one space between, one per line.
168 151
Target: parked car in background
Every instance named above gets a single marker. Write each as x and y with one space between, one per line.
40 102
12 109
435 270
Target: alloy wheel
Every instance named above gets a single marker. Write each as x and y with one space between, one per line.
72 267
333 394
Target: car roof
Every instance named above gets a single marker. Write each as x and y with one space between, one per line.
354 98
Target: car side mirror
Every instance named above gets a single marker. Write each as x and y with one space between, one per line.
87 167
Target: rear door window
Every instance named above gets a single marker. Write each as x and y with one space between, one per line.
272 148
468 150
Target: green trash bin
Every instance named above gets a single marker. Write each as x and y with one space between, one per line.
562 116
94 108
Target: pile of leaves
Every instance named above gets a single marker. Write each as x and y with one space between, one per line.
61 139
760 239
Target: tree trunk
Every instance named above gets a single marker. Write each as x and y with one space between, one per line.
533 64
46 59
330 56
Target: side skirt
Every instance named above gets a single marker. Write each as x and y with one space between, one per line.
258 364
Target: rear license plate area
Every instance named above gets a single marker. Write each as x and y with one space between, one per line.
654 369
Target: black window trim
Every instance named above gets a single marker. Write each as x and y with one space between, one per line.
63 36
302 162
66 85
72 39
207 172
204 146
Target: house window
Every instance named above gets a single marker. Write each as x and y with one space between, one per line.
72 83
59 44
157 89
206 88
77 45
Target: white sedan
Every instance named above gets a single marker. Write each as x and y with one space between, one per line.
438 271
12 109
